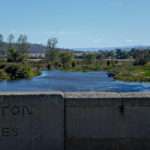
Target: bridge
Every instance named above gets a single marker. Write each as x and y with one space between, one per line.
74 121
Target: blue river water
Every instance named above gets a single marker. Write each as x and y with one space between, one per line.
73 81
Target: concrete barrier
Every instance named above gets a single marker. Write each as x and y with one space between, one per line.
107 121
31 121
74 121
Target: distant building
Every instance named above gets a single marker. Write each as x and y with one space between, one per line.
79 56
37 55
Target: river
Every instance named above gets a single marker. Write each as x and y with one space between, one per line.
73 81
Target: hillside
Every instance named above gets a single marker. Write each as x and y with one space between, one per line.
33 48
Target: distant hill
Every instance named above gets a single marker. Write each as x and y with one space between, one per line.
34 48
37 48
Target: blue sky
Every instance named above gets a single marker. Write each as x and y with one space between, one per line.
78 23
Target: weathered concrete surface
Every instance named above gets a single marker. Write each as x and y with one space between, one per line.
31 121
87 95
107 121
86 121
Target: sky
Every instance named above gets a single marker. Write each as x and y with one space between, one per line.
78 23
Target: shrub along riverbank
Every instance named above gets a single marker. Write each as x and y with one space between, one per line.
15 71
129 72
124 71
133 65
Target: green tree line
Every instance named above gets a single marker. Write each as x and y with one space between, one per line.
15 62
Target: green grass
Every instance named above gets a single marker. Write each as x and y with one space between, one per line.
16 71
124 71
129 72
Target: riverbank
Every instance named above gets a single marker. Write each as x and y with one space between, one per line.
129 72
124 71
16 71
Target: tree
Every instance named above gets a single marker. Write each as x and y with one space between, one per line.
12 55
141 57
22 43
19 71
22 46
121 54
11 38
100 55
2 52
51 43
110 54
53 55
118 53
1 40
66 59
90 58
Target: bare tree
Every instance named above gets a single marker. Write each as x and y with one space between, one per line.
2 52
22 43
51 43
52 54
22 46
11 38
1 40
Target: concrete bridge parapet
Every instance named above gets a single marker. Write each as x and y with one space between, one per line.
74 121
